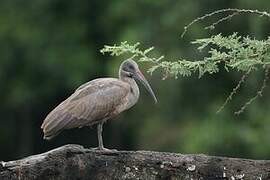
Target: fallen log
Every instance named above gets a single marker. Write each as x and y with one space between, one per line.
74 162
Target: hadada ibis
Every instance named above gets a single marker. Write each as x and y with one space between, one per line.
97 101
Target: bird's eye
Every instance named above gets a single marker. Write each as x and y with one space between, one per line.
131 67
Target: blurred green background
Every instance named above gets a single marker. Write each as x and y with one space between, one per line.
50 47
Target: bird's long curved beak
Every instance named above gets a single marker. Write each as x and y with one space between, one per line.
142 79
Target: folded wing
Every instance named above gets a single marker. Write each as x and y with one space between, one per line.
91 103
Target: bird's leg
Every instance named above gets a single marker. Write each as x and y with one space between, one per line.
99 133
100 139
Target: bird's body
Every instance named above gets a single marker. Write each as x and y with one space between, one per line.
98 100
94 103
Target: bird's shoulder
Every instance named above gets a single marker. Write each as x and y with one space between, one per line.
102 85
101 82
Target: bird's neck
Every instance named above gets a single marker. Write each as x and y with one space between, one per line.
133 85
123 76
129 80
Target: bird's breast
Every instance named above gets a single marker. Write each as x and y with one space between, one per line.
131 98
134 94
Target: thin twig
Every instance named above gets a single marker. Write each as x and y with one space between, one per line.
212 26
261 13
234 91
259 93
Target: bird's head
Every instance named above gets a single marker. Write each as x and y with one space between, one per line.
130 69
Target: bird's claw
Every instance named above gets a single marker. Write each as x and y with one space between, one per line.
103 149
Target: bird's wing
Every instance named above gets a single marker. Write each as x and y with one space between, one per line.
85 85
88 105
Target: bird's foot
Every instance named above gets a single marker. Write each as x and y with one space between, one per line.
103 149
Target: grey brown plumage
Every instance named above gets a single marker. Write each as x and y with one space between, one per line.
86 106
94 102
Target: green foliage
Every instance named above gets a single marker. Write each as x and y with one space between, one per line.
181 67
234 51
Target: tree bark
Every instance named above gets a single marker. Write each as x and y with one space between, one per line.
73 162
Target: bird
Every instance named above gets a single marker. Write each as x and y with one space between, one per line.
97 101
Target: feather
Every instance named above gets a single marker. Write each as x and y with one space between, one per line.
91 103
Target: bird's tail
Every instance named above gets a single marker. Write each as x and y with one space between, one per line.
47 134
54 124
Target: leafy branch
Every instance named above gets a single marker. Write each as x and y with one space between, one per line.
173 68
233 52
